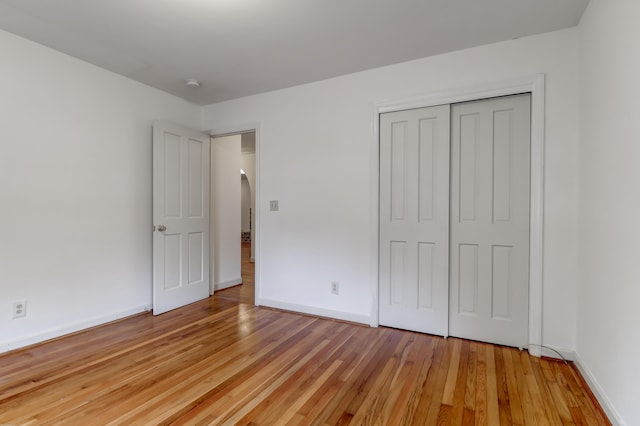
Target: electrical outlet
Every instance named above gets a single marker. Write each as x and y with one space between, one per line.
335 287
274 205
19 308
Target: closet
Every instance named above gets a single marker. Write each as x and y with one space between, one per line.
454 219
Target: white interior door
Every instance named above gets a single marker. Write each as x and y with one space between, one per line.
414 219
180 216
490 184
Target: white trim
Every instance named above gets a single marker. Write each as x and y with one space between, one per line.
535 84
552 352
601 396
212 236
536 207
239 129
53 333
464 94
228 283
318 312
375 217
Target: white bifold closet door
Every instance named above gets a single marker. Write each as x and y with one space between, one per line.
490 175
414 219
454 219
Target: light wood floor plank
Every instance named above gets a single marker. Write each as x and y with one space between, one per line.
502 387
493 408
515 406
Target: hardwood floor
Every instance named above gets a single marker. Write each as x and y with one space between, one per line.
245 292
222 362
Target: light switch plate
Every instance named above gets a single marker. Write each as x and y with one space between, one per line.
273 205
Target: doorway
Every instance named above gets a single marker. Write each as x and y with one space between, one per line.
234 192
454 219
248 208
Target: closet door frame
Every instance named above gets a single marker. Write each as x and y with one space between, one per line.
534 84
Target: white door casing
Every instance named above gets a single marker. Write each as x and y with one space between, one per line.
414 219
490 180
181 241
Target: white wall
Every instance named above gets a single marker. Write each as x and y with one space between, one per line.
608 337
322 232
75 190
226 200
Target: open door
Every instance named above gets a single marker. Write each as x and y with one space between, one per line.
180 216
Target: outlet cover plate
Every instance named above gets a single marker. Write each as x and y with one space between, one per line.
19 308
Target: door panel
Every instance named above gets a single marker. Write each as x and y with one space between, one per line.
490 149
500 283
181 206
425 275
414 219
196 257
468 279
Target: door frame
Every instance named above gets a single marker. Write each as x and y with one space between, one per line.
235 130
534 84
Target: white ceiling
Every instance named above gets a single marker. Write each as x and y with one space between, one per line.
243 47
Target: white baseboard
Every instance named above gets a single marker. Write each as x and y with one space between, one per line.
599 393
53 333
319 312
226 284
567 354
